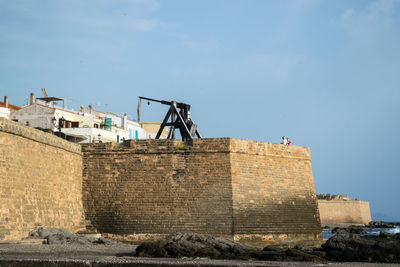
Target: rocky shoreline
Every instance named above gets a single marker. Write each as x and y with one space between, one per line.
350 245
382 224
384 248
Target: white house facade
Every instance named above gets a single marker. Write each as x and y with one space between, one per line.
79 126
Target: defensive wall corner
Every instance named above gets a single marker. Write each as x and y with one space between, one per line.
246 190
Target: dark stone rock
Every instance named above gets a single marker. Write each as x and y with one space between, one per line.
325 227
105 241
352 247
275 248
179 245
349 230
52 235
63 236
382 248
298 255
381 224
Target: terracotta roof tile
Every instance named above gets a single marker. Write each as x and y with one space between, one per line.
10 106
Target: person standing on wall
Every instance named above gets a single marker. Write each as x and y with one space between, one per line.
284 140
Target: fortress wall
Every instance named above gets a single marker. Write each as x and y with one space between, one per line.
40 181
249 191
274 195
159 187
344 212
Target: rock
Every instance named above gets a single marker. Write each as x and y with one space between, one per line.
381 224
106 241
298 255
52 235
382 248
325 227
179 245
352 247
349 230
63 236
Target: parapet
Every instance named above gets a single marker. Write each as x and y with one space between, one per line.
332 197
205 145
33 134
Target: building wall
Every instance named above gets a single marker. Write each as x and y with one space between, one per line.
249 191
4 113
35 115
152 127
344 212
274 195
39 115
134 127
156 187
40 181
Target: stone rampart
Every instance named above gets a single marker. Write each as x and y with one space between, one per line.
342 212
40 181
274 195
250 191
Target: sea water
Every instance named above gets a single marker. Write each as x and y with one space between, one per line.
326 234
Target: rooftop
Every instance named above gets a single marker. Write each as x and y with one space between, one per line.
10 106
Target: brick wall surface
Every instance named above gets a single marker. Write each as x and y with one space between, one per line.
158 186
236 188
40 181
274 195
344 212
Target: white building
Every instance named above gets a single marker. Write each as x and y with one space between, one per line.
152 127
6 108
83 126
111 120
4 113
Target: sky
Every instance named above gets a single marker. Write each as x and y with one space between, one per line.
324 73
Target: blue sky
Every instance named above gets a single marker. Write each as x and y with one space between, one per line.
324 73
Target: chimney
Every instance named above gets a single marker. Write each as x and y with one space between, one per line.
6 101
125 125
32 99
